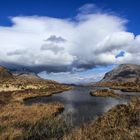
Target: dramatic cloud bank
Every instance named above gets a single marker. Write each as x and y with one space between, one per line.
60 45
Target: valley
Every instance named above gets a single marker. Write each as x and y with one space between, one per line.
33 108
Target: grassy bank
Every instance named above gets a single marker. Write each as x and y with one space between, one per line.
39 122
36 122
126 87
35 89
122 122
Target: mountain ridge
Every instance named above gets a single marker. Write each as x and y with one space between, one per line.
5 74
123 73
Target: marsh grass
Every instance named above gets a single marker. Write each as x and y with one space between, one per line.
124 86
41 122
36 122
104 93
5 98
122 122
48 129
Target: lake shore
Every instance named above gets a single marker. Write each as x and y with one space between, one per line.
120 122
19 121
41 116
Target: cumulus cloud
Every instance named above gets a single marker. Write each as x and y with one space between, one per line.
60 45
117 40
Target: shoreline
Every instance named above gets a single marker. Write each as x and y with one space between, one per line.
49 95
118 122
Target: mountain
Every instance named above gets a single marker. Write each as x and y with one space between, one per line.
5 74
123 73
10 81
8 74
19 71
25 76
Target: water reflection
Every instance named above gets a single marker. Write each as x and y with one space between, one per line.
79 105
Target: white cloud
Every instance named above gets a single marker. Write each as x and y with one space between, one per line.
88 8
91 39
117 40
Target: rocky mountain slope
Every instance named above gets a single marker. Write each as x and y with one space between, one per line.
123 73
26 81
5 74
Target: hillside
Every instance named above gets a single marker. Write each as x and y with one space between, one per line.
5 74
123 73
20 121
27 85
124 76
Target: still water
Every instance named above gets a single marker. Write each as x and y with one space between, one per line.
80 107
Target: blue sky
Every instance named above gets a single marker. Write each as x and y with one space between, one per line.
65 9
47 31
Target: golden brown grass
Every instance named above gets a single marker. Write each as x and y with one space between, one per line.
32 93
5 98
18 121
122 122
128 86
22 89
104 93
35 122
25 83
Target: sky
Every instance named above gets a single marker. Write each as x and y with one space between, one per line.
74 41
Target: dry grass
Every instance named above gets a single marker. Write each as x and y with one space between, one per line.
18 121
39 121
35 122
120 123
5 98
25 83
104 93
21 89
128 86
32 93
